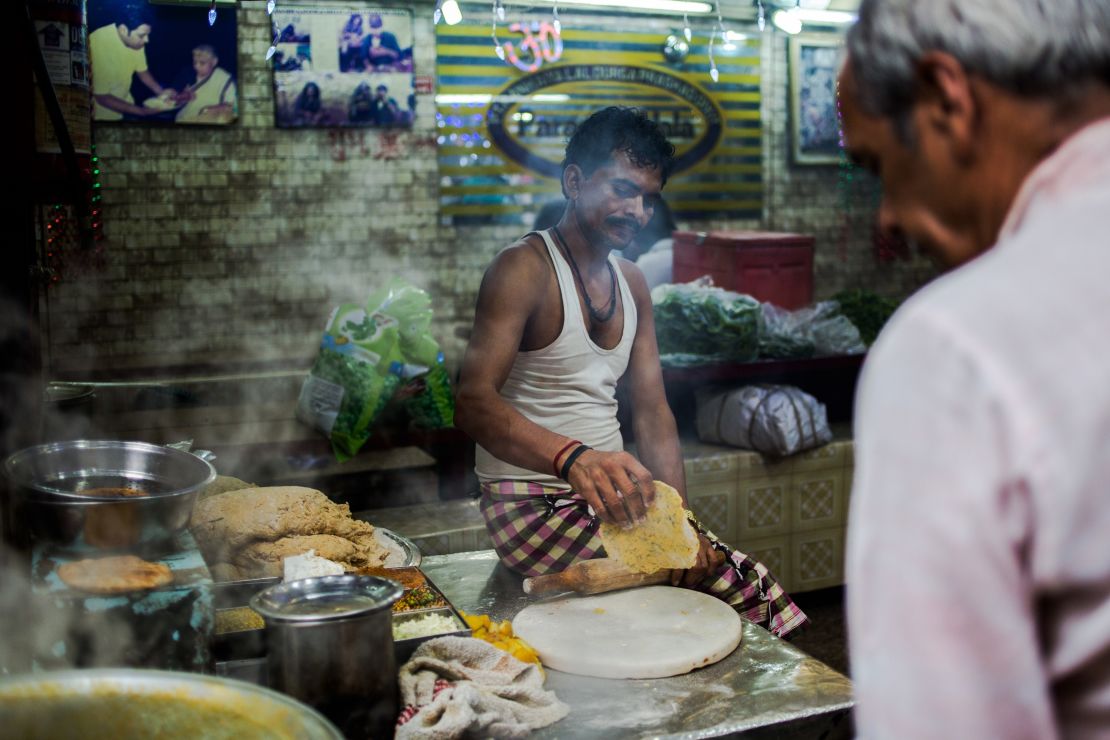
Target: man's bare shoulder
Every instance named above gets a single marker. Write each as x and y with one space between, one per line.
512 278
524 259
637 283
528 252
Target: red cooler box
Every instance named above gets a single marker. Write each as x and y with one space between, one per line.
769 266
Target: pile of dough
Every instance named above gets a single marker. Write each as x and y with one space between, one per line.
248 532
663 541
223 484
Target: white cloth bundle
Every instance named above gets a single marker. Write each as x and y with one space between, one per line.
456 686
776 420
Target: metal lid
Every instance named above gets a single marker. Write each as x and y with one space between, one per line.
326 598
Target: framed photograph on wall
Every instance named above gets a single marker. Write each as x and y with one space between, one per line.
162 64
343 65
815 127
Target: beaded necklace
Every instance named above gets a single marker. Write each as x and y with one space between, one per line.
595 314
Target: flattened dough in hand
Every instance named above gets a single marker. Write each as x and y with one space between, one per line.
663 541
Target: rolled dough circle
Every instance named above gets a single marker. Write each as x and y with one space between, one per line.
648 632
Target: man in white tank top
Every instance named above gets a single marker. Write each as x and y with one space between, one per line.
559 322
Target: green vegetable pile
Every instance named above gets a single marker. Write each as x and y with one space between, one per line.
707 323
867 310
698 324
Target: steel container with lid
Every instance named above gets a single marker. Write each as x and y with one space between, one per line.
329 643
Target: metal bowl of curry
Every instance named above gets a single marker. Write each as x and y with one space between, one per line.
126 704
105 494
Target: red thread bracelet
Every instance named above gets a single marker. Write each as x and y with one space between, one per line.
555 460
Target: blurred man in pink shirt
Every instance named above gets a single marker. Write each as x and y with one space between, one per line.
979 534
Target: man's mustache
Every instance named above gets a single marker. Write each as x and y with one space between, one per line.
626 223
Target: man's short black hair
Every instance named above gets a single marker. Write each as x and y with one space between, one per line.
616 129
133 14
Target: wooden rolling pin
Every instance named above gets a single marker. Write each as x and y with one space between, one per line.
598 576
593 577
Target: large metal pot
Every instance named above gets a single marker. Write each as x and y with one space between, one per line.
60 492
129 704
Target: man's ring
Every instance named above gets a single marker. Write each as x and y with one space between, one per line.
619 494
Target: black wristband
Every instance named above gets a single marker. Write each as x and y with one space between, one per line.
571 458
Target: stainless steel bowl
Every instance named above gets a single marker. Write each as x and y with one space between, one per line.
59 492
129 704
329 643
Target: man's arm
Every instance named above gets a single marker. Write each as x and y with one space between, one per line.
148 79
652 420
941 612
510 296
507 299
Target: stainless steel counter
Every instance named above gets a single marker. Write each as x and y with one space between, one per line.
766 686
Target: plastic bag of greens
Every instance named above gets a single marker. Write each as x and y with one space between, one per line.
815 330
429 400
366 354
837 335
427 397
411 308
784 334
696 319
356 372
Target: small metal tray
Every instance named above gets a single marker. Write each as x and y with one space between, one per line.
403 649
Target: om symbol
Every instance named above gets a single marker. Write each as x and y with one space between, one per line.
541 43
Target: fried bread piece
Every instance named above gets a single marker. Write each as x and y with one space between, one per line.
115 575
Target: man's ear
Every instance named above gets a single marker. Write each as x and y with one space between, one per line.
572 180
947 103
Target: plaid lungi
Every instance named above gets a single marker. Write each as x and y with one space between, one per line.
537 530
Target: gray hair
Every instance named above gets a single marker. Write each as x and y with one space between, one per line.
1029 47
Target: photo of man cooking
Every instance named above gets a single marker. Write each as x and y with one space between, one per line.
559 323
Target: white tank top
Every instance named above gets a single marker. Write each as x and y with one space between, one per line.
570 385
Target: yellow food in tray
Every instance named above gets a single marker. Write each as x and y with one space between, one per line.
500 635
238 619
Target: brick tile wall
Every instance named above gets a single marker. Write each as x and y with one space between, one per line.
229 245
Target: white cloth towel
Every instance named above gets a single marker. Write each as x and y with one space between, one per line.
463 687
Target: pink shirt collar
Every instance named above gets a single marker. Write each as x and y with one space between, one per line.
1082 158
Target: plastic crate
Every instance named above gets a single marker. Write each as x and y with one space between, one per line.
769 266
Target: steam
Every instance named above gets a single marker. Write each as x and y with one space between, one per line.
46 633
